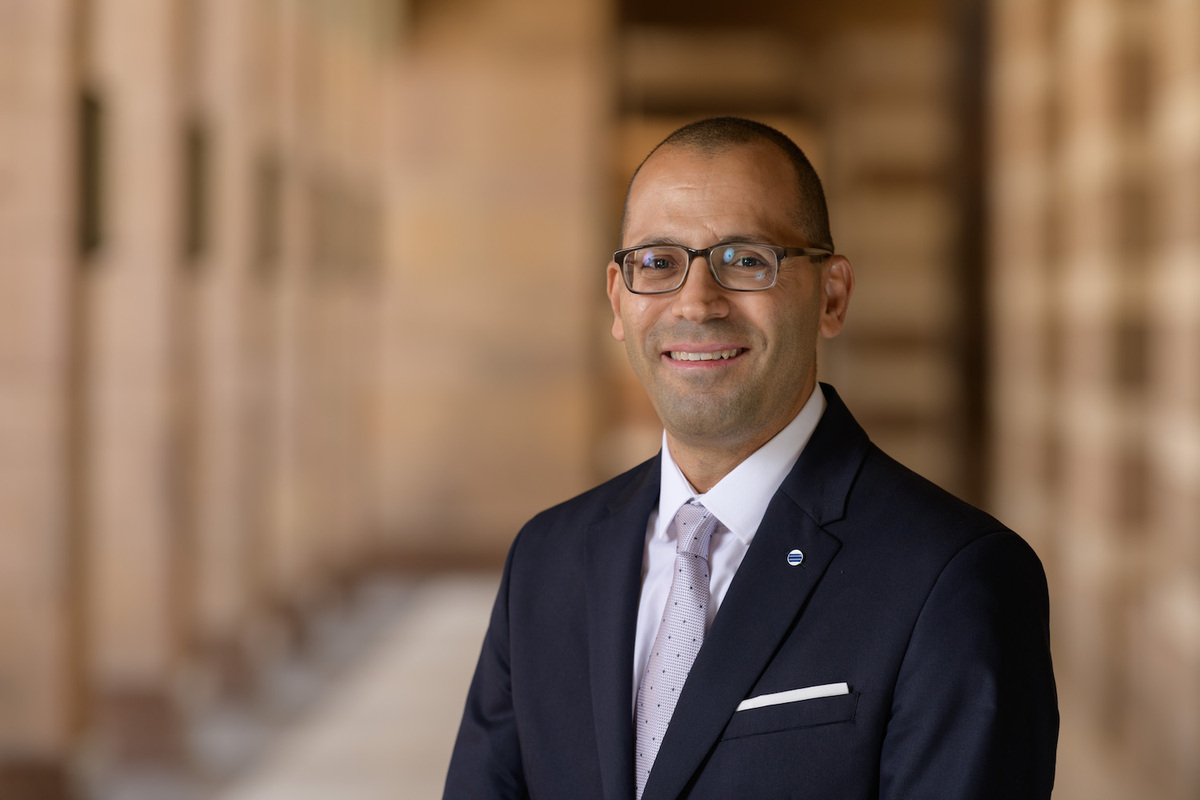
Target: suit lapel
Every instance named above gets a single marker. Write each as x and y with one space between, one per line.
759 609
765 597
615 547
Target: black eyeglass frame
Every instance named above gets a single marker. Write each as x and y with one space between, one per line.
706 253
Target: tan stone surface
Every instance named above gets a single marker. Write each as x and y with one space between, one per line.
494 254
1097 415
36 268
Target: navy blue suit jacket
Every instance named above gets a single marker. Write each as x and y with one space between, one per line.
934 613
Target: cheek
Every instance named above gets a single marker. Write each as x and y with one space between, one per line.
639 305
635 319
795 331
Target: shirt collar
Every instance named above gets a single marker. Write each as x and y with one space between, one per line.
740 499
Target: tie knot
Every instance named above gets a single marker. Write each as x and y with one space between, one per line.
694 525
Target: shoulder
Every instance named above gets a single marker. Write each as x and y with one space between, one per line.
887 486
908 520
879 509
605 525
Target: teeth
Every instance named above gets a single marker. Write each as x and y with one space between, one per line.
683 355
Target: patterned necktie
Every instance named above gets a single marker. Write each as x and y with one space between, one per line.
680 634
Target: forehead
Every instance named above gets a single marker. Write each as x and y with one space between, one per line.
700 198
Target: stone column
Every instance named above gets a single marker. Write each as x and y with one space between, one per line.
1098 367
287 557
893 150
495 254
1086 304
41 633
258 429
1165 652
1019 281
222 104
138 582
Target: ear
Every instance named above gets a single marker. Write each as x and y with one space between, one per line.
837 284
615 287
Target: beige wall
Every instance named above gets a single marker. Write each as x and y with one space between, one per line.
1096 294
38 601
189 398
495 170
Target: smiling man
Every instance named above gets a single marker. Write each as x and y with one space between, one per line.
771 607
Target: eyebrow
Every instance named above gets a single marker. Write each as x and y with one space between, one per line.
736 238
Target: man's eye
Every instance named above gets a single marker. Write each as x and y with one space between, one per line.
742 258
656 261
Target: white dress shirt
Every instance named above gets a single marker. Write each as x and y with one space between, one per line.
739 501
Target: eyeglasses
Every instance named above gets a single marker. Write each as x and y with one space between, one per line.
738 266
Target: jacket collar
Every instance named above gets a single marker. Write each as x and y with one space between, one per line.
820 482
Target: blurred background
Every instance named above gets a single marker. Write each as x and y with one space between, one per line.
302 315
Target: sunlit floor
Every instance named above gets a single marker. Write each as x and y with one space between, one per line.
386 729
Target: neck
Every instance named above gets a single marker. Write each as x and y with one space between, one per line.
705 465
705 461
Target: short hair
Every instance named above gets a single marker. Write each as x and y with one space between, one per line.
718 134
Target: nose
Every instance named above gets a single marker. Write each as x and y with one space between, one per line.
701 298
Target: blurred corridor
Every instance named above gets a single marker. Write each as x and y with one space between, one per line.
351 748
369 713
302 315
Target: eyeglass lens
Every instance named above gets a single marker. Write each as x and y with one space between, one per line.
746 267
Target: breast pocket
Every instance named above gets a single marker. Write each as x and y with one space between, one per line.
792 716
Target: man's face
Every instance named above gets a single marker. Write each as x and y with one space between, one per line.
766 340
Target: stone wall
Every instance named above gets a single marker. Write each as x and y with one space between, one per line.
1096 353
191 203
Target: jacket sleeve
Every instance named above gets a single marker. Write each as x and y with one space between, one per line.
975 712
486 762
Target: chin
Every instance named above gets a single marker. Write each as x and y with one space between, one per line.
709 426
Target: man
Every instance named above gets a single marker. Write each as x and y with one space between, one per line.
771 607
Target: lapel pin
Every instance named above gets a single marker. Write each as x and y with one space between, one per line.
795 558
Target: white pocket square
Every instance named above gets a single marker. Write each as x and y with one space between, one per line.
795 695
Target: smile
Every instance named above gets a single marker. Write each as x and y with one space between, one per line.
716 355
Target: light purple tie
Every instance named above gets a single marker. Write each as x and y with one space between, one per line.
680 635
